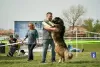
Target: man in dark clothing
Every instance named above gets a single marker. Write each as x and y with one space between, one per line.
13 47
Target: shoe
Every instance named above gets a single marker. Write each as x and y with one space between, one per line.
82 50
29 59
42 61
53 60
9 55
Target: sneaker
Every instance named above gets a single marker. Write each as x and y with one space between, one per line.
82 50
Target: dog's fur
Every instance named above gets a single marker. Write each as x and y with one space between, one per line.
21 53
60 46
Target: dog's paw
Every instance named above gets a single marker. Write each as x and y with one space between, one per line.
59 61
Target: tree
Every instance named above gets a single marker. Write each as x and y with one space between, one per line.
96 27
73 14
88 24
92 26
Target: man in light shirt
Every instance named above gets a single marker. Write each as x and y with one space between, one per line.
47 39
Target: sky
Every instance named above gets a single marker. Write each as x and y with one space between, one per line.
35 10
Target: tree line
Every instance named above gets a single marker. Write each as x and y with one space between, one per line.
73 15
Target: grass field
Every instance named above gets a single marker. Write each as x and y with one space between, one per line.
82 60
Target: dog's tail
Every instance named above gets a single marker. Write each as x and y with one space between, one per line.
68 55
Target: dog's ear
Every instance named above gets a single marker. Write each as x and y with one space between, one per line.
58 20
61 21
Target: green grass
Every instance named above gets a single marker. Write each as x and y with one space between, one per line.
82 60
83 42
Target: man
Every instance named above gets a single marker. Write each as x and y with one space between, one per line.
32 36
13 47
47 39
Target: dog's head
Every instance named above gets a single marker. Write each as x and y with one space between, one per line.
58 20
70 56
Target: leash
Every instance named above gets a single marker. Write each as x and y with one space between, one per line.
11 44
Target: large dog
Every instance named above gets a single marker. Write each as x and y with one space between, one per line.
60 45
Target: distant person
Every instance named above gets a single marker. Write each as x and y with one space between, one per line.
32 36
13 47
71 49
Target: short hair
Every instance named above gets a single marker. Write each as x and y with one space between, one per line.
48 13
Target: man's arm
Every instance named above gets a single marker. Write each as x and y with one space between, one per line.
48 27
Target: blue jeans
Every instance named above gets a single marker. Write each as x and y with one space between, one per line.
46 43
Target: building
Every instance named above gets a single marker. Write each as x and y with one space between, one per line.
72 32
6 32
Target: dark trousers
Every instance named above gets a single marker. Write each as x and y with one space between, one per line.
30 51
13 48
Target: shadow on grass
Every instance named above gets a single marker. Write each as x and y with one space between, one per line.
12 62
11 58
80 62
